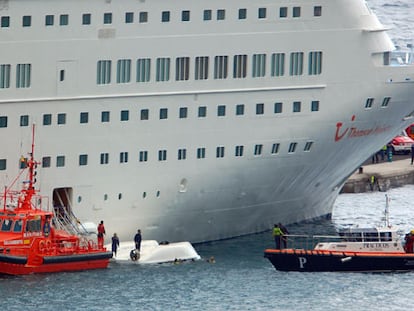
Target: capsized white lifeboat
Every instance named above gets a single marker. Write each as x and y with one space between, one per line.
154 252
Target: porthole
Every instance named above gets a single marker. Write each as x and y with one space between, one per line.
119 196
79 199
105 197
158 194
144 195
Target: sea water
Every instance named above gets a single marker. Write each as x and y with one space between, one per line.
241 278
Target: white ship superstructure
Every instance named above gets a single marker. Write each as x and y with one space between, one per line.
196 120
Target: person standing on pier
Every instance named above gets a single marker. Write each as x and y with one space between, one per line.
115 244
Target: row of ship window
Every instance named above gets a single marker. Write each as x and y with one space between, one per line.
201 65
144 114
143 16
201 153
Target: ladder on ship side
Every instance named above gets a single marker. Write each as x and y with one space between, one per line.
65 219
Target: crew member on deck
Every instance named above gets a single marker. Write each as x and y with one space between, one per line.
277 234
409 242
101 233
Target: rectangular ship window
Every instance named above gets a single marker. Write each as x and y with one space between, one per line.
49 20
123 157
239 151
221 14
221 111
259 109
123 72
207 15
124 115
26 21
144 114
275 148
103 75
182 154
46 162
308 146
242 13
185 16
261 13
220 67
315 63
86 19
84 117
104 158
105 116
60 161
3 121
220 152
239 110
163 69
47 119
202 112
201 153
107 19
296 64
3 164
143 17
369 103
83 159
296 106
182 68
292 147
61 118
259 65
315 105
201 68
317 10
143 156
23 73
277 66
24 120
5 76
283 12
163 113
129 17
165 16
385 102
240 66
143 69
278 107
162 155
183 111
258 149
64 20
5 21
296 11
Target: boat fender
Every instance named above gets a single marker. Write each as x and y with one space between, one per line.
134 255
42 246
48 245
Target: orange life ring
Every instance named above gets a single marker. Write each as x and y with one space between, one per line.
48 245
41 246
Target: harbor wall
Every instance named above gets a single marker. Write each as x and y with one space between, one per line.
380 177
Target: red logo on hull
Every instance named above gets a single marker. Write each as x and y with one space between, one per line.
352 132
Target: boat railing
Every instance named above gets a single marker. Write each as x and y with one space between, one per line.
402 57
309 242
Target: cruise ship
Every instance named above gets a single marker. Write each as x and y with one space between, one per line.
196 120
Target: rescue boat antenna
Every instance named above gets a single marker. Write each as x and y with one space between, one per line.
386 212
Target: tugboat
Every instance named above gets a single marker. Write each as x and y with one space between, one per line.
34 239
377 249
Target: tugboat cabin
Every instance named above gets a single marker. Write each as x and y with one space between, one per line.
384 239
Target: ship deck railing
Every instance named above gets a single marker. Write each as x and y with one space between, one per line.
308 242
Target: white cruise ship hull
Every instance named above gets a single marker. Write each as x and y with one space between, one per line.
152 174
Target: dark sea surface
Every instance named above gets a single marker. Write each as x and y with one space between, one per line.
241 279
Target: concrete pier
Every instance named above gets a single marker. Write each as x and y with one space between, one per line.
380 176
